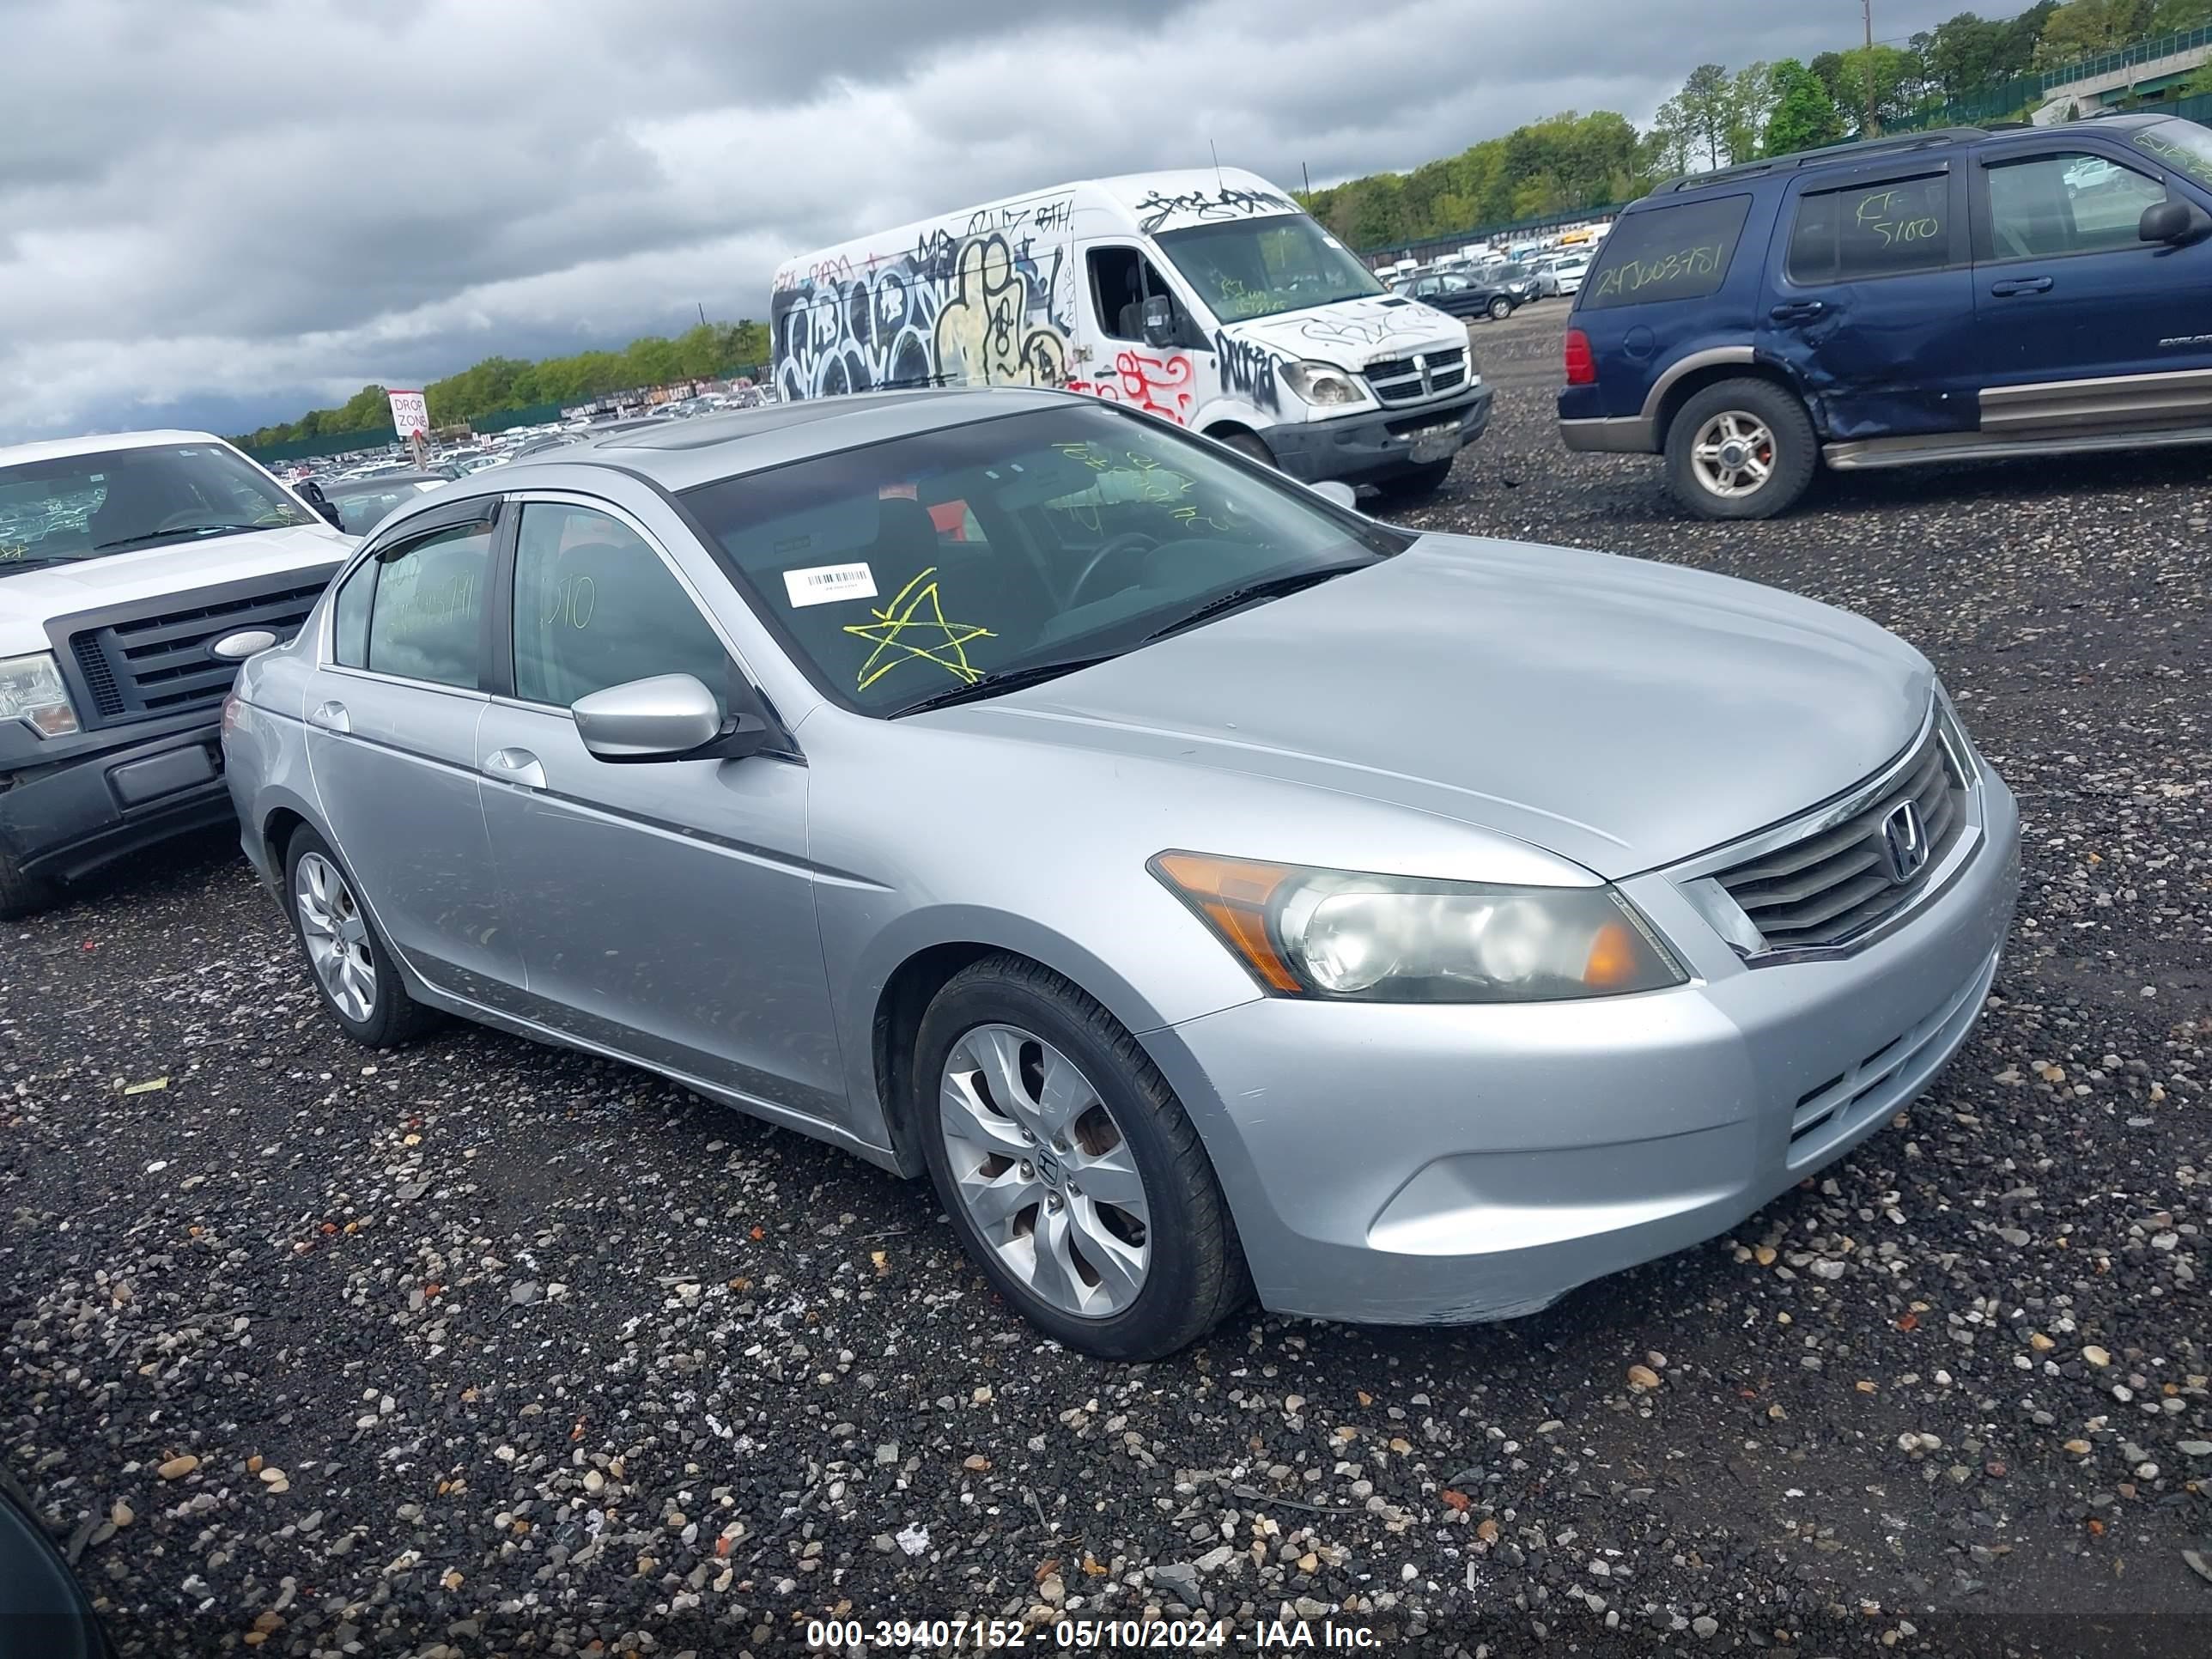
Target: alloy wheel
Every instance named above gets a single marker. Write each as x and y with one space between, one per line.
335 934
1733 453
1044 1172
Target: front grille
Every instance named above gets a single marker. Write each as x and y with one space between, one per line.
1424 375
1836 883
137 666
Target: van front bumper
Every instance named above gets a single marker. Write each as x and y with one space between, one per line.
1415 1165
1375 445
107 793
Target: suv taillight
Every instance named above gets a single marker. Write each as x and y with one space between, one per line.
1582 367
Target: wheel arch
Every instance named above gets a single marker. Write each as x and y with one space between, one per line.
1706 369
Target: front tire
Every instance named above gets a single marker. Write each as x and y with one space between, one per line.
352 969
1500 309
1252 446
21 895
1742 449
1069 1169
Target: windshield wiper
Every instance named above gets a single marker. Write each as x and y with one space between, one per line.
118 544
1006 679
1273 587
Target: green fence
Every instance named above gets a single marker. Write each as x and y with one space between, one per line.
2005 101
327 443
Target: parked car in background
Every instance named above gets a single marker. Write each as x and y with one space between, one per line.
1458 294
127 556
363 504
1962 294
1567 272
688 747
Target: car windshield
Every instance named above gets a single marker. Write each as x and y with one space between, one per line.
2182 145
1258 267
898 573
361 509
69 508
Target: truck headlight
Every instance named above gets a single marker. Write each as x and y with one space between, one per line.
1323 384
31 690
1339 934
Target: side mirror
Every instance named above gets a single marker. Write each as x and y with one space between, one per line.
668 717
1159 322
312 493
247 642
2174 223
1335 489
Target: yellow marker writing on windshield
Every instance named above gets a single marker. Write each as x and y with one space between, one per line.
917 612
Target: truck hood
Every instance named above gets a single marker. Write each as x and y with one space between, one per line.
1353 333
1621 713
30 598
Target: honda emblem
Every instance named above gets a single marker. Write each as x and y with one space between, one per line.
1904 843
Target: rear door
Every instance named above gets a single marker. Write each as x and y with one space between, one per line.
1870 301
2082 325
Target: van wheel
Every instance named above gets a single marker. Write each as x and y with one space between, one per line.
1249 444
1500 309
21 895
1067 1166
1742 449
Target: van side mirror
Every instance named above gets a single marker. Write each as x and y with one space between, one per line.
312 493
1159 322
667 717
2175 223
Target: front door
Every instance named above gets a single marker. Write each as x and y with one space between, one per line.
664 910
1870 302
391 729
2082 323
1114 361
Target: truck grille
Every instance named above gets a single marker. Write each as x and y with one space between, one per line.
1424 375
135 667
1836 883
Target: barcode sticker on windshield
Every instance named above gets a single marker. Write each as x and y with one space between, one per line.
825 582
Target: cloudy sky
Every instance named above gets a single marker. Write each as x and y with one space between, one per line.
220 212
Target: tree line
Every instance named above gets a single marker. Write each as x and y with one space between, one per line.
496 384
1572 162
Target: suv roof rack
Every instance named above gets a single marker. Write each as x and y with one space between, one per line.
1935 138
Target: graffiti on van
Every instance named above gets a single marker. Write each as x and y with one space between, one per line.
1206 206
1247 368
1159 385
984 307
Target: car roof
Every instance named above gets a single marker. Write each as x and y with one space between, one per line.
679 454
96 443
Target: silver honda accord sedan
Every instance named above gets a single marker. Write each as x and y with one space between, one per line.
1216 891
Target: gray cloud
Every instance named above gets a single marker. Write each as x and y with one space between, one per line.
225 209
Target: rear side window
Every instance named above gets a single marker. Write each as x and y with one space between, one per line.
427 620
349 613
1678 252
1886 229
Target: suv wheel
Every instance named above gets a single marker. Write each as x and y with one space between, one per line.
1742 449
21 895
1070 1171
352 970
1500 309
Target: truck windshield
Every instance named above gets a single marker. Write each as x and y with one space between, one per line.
69 508
1259 267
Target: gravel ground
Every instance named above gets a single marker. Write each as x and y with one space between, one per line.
485 1348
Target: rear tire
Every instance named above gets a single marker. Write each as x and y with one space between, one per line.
352 968
1500 309
1168 1267
1742 449
21 895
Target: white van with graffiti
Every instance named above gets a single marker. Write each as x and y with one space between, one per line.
1205 298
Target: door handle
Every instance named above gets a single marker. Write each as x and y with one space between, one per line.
331 717
2013 285
516 766
1798 311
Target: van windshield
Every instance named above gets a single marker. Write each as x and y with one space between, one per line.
69 508
1259 267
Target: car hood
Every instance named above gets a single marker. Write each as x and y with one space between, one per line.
1621 713
28 598
1353 333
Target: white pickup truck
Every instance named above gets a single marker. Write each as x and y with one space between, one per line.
123 558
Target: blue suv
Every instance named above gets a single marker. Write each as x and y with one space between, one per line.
1939 296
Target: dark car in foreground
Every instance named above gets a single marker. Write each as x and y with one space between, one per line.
1962 294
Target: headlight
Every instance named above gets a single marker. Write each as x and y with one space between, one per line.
1336 933
1323 383
31 690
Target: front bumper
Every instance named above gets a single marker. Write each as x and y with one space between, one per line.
1374 444
1407 1164
113 793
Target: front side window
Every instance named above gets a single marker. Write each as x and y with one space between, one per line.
594 606
70 508
2071 201
1259 267
1680 252
1885 229
426 621
1121 280
907 568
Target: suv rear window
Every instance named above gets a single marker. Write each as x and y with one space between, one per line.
1872 230
1676 253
